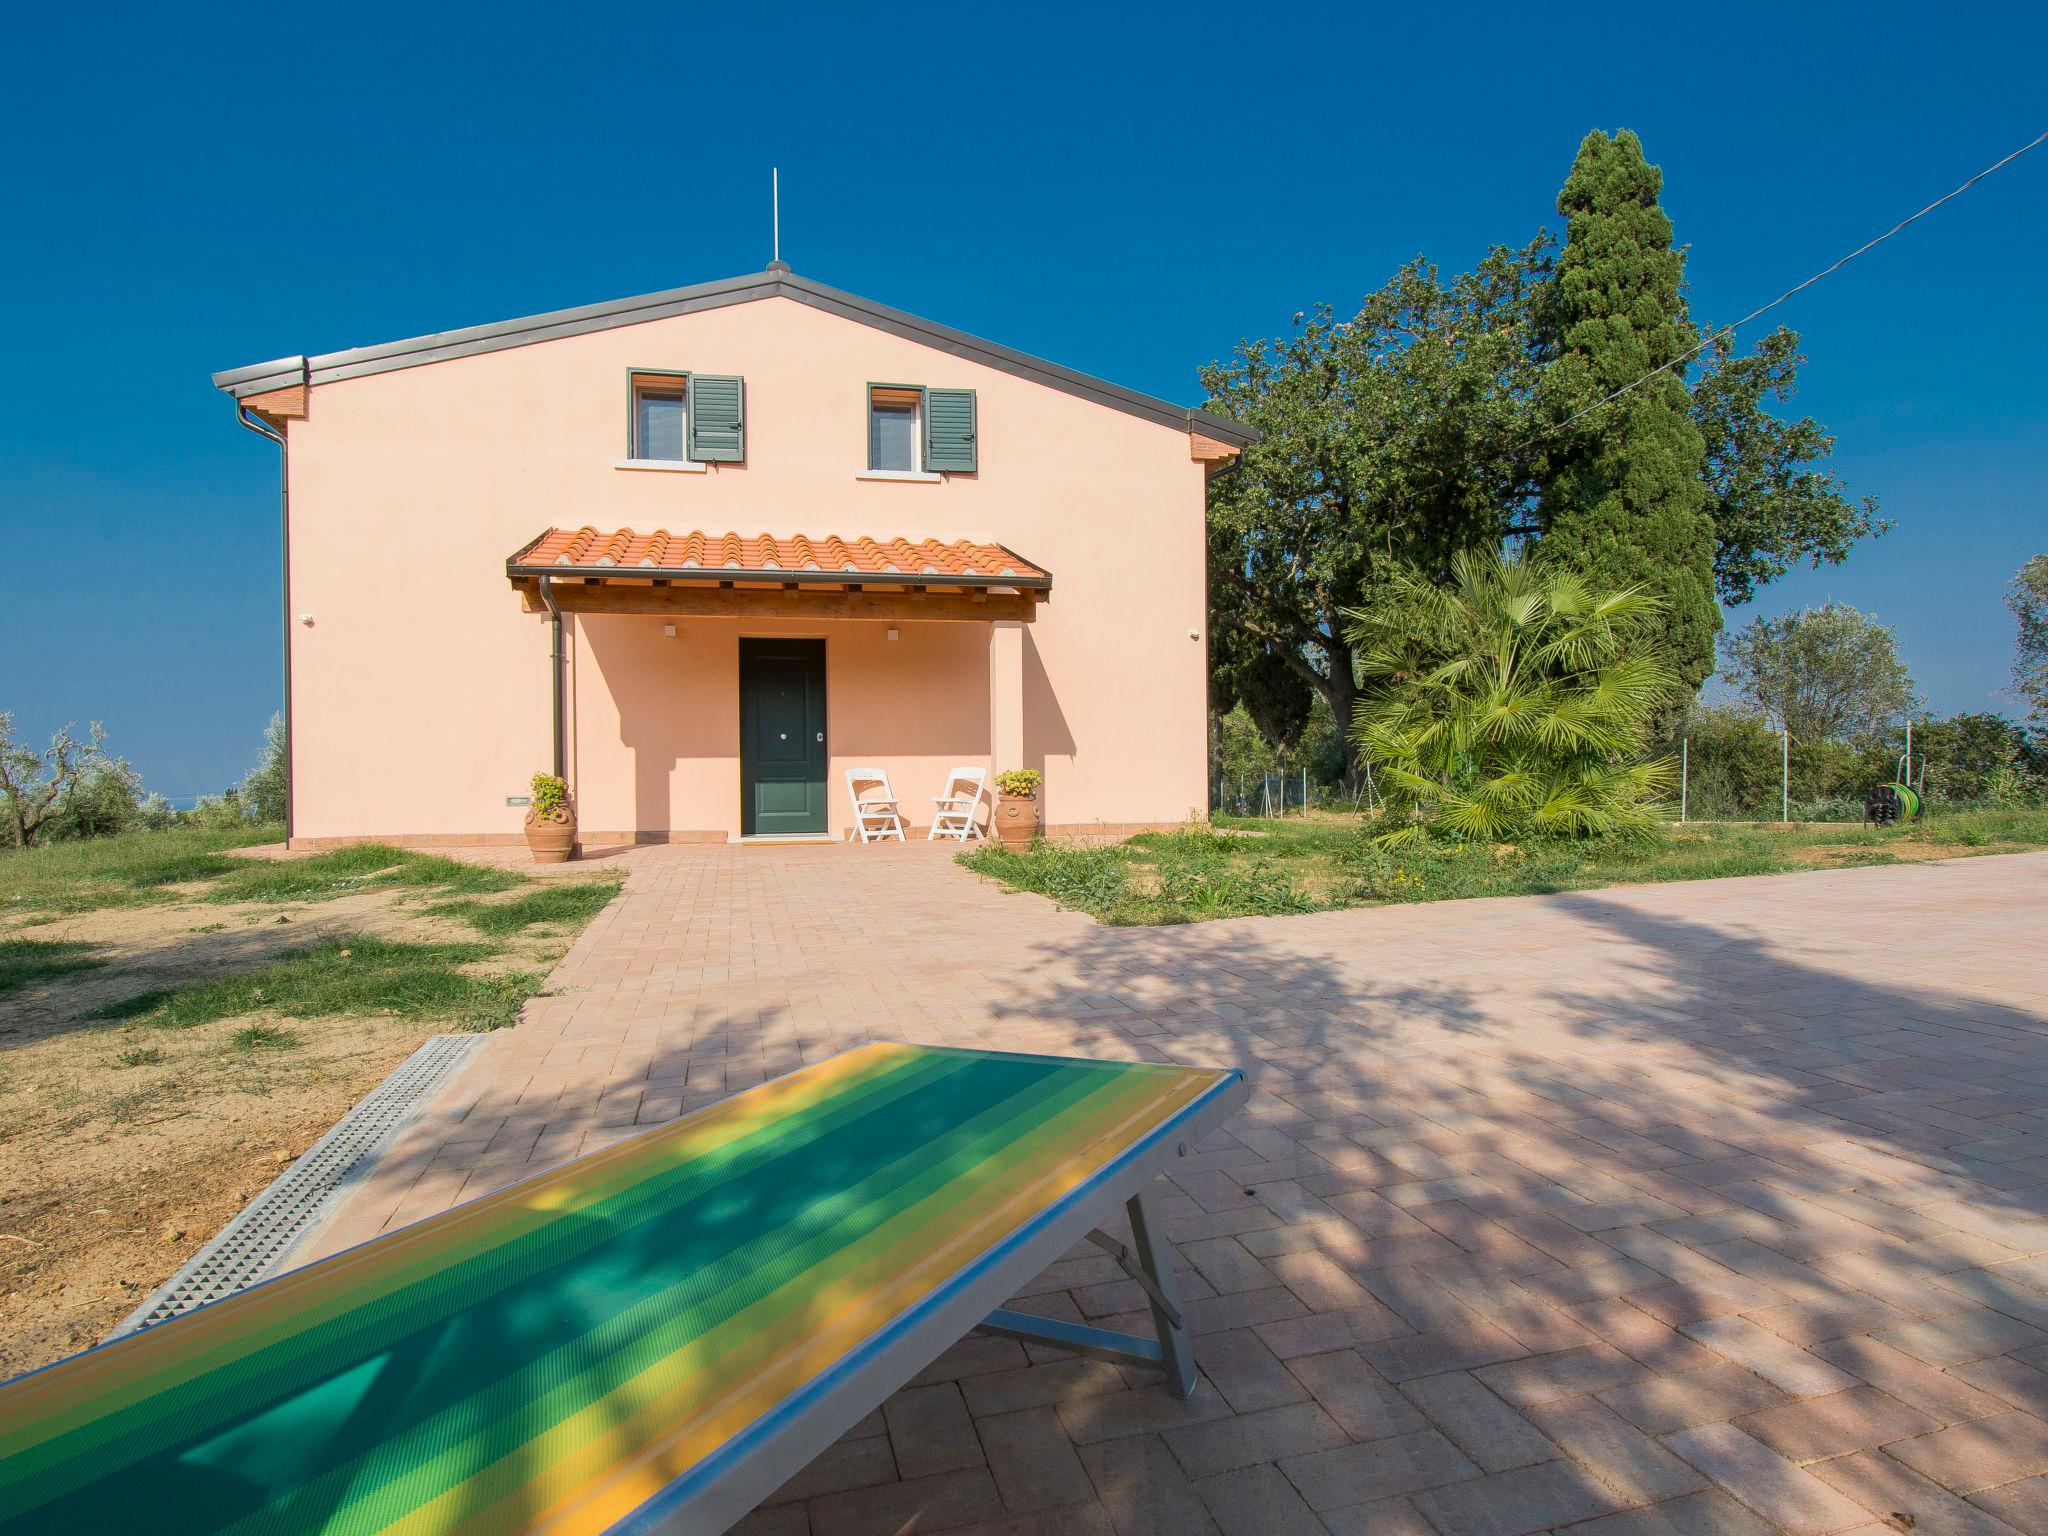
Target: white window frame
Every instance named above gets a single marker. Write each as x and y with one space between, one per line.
665 383
914 409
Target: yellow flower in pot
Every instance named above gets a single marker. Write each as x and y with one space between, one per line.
1017 809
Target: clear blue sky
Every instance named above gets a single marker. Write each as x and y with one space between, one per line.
186 190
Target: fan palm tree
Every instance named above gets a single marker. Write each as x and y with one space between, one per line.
1508 705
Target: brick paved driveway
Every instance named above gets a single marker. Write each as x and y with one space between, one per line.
1708 1208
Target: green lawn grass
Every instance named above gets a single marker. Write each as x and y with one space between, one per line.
25 960
1249 867
568 902
64 878
357 975
347 871
347 977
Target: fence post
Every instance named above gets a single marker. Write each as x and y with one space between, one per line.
1785 777
1304 794
1684 774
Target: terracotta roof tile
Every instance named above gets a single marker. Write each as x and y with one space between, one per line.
590 549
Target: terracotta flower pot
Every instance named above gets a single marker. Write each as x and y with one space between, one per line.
551 838
1017 820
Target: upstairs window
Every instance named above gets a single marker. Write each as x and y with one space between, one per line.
686 420
658 434
894 418
917 430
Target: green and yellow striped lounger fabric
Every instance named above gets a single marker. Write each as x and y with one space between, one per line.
649 1338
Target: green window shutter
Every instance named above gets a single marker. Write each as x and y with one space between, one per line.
949 430
718 418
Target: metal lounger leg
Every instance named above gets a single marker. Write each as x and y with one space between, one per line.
1150 1264
1177 1356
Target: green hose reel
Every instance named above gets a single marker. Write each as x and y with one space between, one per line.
1893 802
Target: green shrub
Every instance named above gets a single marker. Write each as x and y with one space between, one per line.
1512 705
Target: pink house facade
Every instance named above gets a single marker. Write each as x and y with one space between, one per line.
707 549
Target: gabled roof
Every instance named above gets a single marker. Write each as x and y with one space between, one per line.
776 282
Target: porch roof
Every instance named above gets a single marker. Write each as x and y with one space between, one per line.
799 558
732 574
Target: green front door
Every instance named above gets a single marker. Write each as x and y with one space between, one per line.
782 737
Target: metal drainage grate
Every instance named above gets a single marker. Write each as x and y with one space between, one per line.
255 1242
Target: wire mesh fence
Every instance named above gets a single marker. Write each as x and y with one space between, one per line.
1732 770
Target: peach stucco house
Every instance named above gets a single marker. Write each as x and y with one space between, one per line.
707 548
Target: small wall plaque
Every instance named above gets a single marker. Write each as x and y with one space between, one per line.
519 799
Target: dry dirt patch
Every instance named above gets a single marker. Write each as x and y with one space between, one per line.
124 1144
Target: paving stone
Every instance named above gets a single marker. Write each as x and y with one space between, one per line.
1486 1429
841 1465
1431 1354
1712 1513
775 1520
2022 1505
1836 1423
1386 1517
919 1504
1947 1397
1146 1411
1248 1374
977 1354
1591 1282
2022 1385
1615 1451
1320 1282
1364 1404
1224 1445
1890 1488
1569 1374
1767 1482
1380 1469
1321 1332
1783 1364
1257 1501
1033 1461
930 1431
1068 1520
1223 1262
1815 1322
1965 1336
1980 1453
1141 1484
1039 1386
1515 1503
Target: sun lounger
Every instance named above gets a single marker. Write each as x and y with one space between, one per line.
651 1338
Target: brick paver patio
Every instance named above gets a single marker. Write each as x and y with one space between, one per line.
1708 1208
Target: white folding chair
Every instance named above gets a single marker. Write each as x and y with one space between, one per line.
876 814
957 813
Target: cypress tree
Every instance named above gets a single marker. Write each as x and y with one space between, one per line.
1622 499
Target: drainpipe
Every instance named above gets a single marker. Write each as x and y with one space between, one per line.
547 595
284 539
